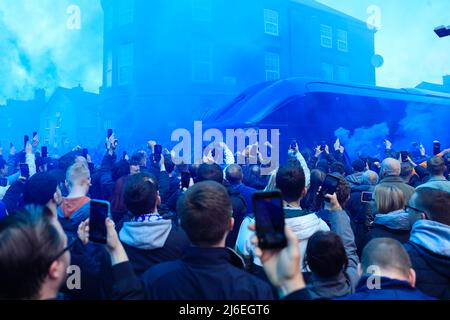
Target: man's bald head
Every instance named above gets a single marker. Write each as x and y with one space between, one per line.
233 174
390 167
388 255
370 178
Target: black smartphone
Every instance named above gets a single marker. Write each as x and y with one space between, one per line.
157 153
366 196
323 145
85 153
44 152
436 147
110 132
329 186
24 170
185 180
269 219
293 144
26 139
99 211
3 182
404 155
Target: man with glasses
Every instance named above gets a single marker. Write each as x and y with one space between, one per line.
429 243
34 255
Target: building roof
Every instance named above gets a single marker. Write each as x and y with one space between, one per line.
254 106
433 87
320 6
77 94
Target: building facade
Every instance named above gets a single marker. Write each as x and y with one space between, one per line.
167 62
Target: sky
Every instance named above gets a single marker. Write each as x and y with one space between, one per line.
412 52
38 50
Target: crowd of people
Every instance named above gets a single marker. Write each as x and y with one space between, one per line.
170 241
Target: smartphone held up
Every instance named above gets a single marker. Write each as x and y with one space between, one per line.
269 220
98 213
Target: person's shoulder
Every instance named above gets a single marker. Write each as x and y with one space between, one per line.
161 271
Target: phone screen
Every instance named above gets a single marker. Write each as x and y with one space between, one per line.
99 211
185 179
404 155
26 139
158 152
436 147
24 170
269 218
366 196
329 186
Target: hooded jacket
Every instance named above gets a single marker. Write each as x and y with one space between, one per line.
151 242
429 250
303 223
390 289
355 179
393 225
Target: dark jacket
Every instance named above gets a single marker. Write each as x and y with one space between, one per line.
345 282
246 193
399 183
204 274
93 260
390 289
239 214
150 243
429 250
361 214
393 225
13 197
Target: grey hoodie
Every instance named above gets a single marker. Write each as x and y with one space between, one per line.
146 235
395 220
433 236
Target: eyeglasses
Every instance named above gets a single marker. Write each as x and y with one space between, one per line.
408 208
70 245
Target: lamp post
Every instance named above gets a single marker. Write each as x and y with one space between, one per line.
442 31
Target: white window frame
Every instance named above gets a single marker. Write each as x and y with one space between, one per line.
125 63
271 22
126 12
326 36
342 40
202 10
201 57
272 66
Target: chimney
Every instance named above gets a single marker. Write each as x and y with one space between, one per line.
446 82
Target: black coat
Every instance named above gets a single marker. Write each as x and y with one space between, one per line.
204 274
380 231
175 246
432 271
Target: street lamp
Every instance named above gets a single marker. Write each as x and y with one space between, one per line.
442 31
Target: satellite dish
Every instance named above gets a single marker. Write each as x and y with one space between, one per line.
377 61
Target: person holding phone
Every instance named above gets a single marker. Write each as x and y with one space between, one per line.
290 180
75 207
207 226
148 238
